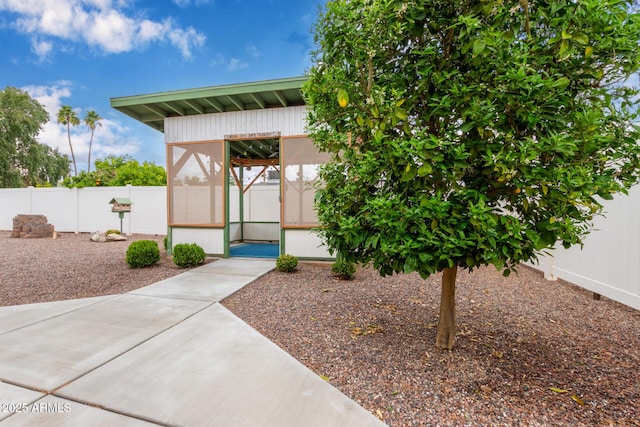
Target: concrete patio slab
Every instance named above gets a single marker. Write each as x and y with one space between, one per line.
52 411
243 267
211 282
49 354
210 287
213 369
15 399
18 316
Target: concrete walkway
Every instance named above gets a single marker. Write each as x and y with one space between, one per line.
168 354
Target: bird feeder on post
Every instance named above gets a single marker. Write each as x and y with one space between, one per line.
120 205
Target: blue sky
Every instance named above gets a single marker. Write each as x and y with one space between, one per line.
83 52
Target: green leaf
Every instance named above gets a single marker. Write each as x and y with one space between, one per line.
466 127
425 170
561 83
581 38
565 47
400 113
508 35
558 390
478 47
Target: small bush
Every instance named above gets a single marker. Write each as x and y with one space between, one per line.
286 263
343 270
188 255
165 242
113 231
142 253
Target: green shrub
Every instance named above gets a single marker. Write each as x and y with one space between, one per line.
286 263
112 231
343 270
165 242
142 253
188 255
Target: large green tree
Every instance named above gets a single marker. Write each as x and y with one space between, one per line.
23 160
118 171
68 118
470 133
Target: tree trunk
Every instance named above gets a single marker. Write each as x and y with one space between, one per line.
89 157
73 157
447 323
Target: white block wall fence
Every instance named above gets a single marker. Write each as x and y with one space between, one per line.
608 264
85 210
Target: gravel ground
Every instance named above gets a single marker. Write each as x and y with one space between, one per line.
528 352
72 266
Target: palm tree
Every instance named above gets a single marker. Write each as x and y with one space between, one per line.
91 119
68 117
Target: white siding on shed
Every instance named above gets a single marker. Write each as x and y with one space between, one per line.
206 127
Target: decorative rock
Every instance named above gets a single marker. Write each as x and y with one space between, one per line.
115 237
100 236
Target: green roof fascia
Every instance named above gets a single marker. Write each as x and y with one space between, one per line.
211 91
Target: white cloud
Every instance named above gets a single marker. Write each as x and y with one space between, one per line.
231 65
102 24
236 64
111 31
42 48
151 31
110 138
252 50
186 39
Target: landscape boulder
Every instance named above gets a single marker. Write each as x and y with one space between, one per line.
100 236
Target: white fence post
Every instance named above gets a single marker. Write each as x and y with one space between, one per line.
76 199
129 228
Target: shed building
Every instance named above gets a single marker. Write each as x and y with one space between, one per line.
240 168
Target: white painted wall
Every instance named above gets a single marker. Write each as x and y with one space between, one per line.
209 239
304 244
288 121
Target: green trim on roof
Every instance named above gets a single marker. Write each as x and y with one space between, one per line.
152 109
